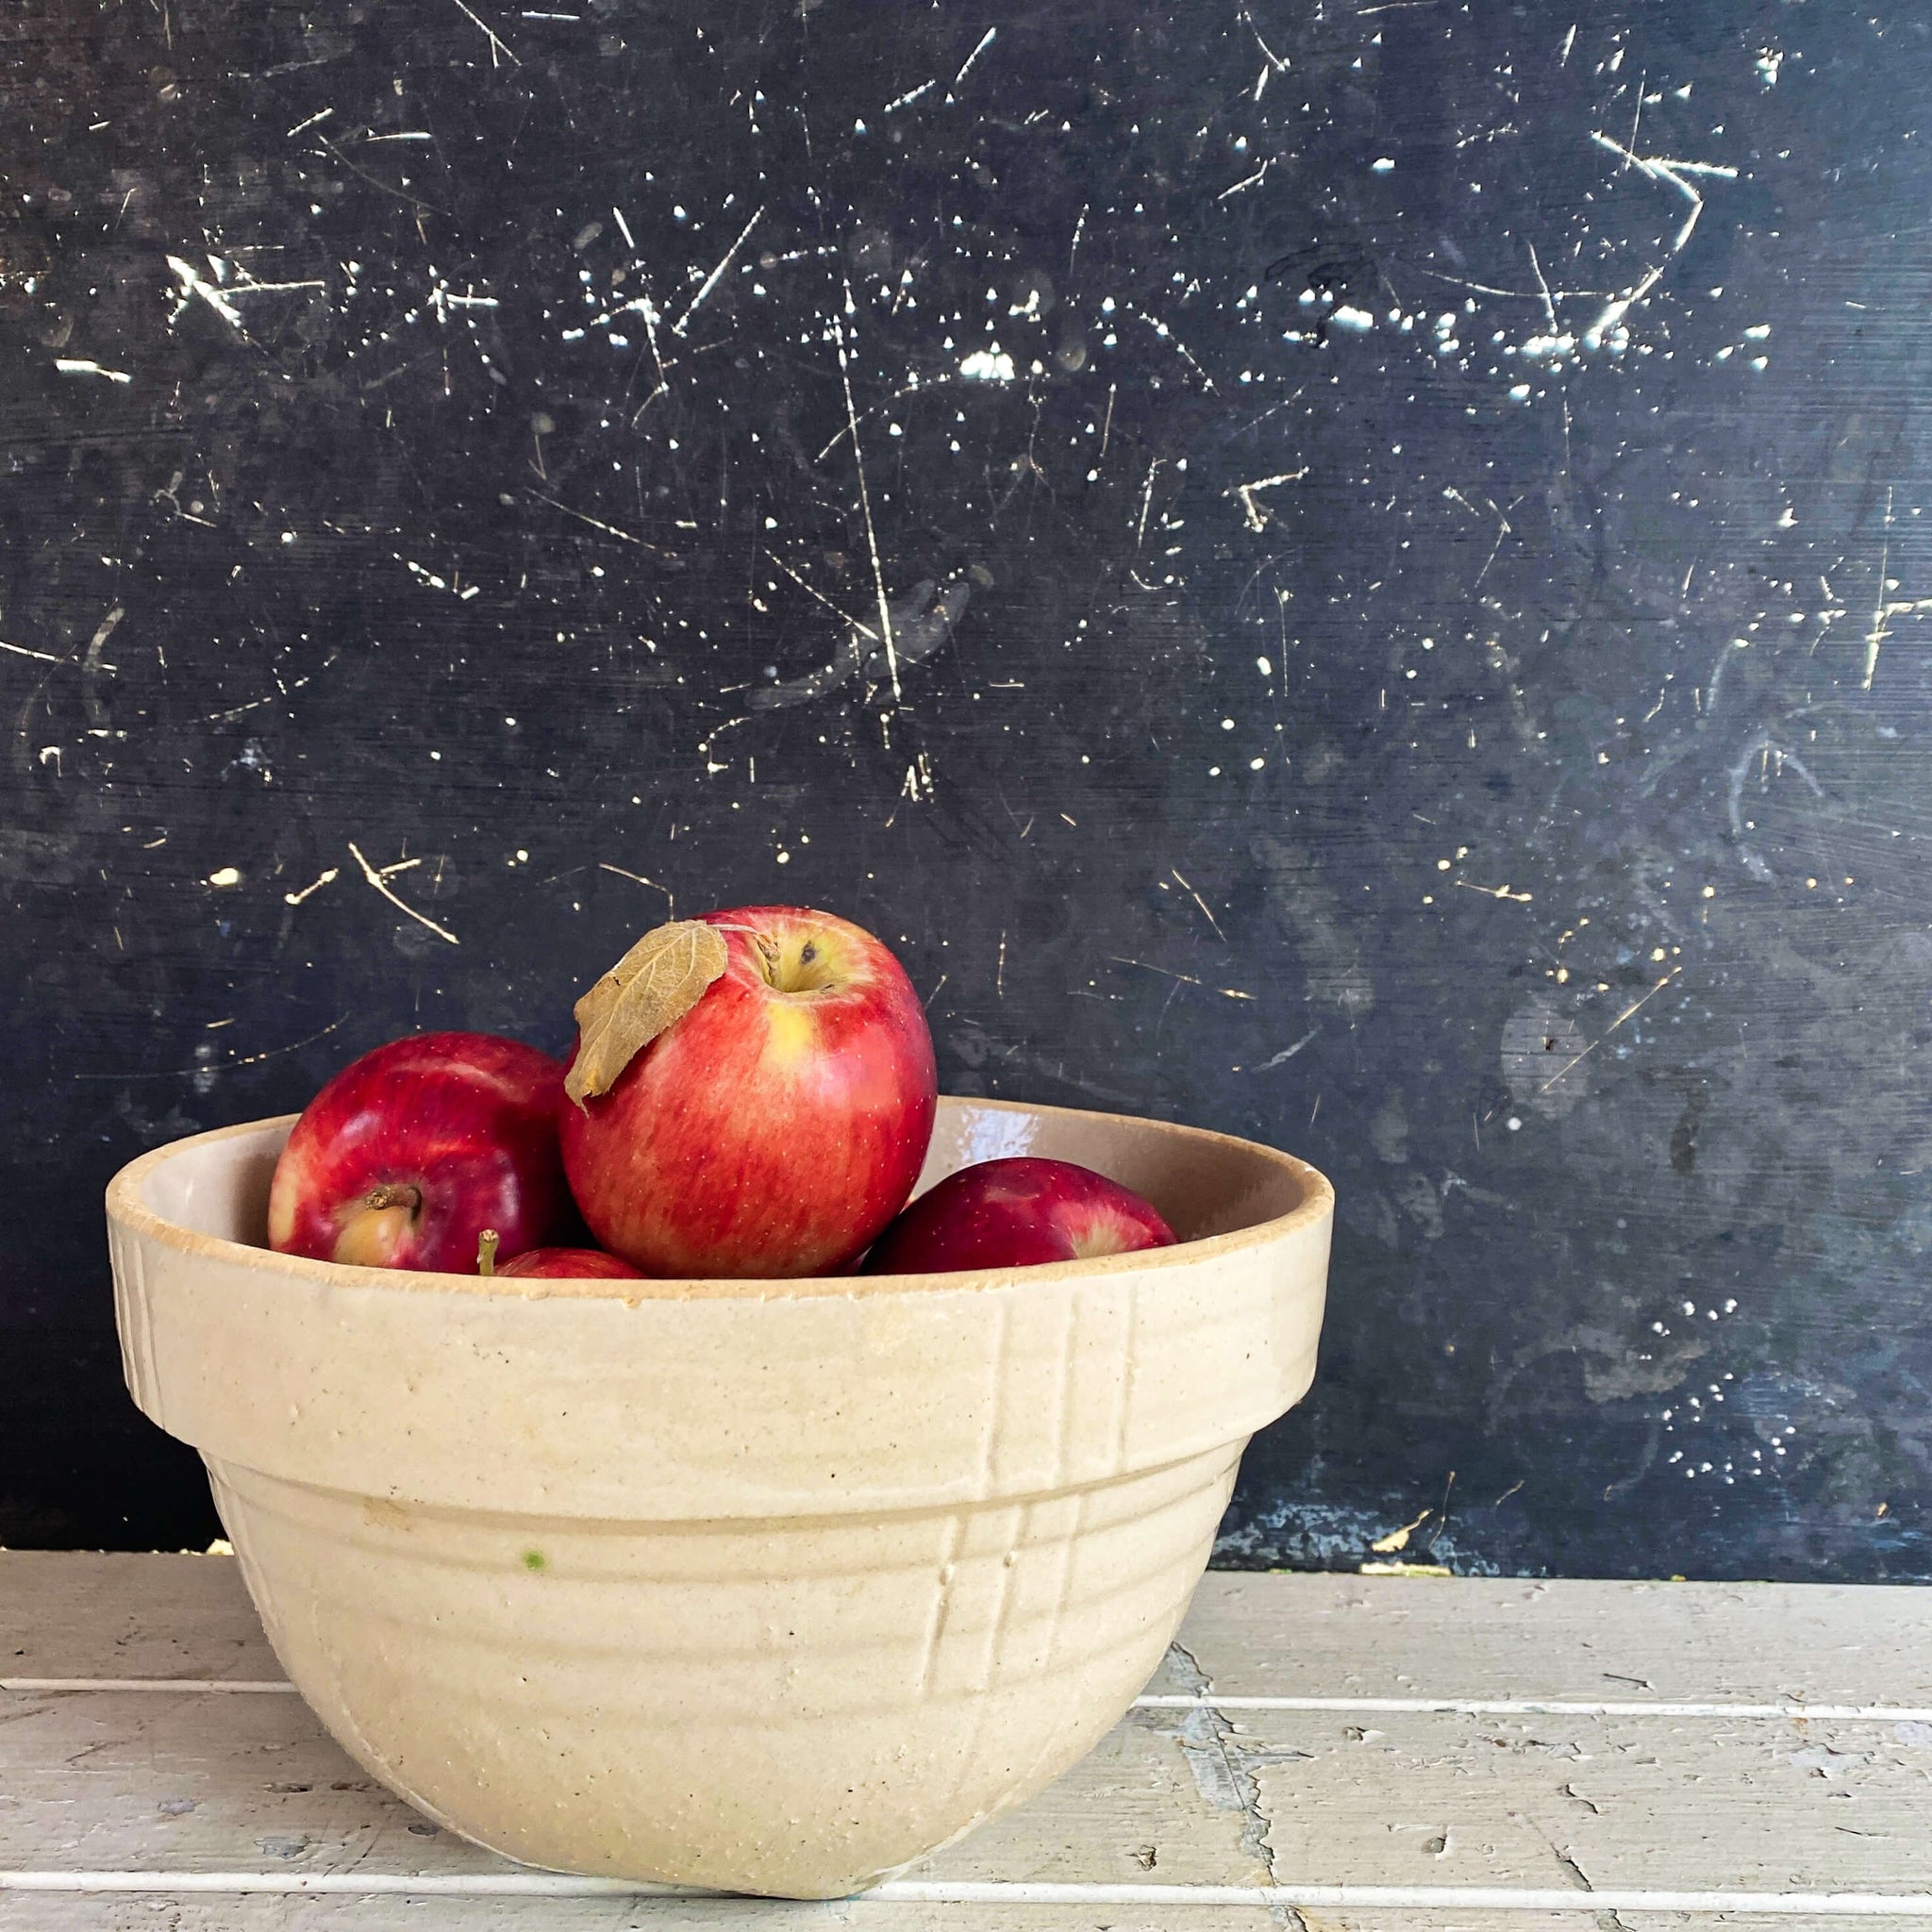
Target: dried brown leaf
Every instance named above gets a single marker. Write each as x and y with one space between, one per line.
653 987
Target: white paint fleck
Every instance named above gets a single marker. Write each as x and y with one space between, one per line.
988 365
77 365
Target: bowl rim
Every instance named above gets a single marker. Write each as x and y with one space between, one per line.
128 1208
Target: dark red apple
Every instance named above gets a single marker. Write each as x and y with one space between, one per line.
1016 1214
410 1152
552 1264
569 1264
778 1125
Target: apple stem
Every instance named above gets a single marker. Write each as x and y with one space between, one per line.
486 1252
768 948
393 1194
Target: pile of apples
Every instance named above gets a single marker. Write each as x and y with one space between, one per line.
751 1095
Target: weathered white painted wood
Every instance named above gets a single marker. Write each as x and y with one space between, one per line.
1554 1818
43 1913
233 1915
64 1615
246 1914
1337 1636
1594 1803
119 1782
107 1615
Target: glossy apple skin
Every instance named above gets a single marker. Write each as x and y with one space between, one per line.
769 1132
567 1264
465 1121
1017 1214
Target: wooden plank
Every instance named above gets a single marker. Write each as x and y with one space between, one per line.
42 1913
1616 1804
232 1914
1477 1637
195 1782
95 1614
85 1614
1688 1798
198 1782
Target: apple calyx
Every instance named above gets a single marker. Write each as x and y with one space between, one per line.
654 986
373 1231
486 1252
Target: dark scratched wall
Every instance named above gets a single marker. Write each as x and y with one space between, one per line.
1353 575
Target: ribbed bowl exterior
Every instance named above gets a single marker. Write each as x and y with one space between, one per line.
797 1707
776 1590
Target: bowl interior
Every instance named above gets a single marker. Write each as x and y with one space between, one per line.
219 1184
1204 1184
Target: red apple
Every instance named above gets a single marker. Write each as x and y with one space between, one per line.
410 1152
552 1264
569 1264
778 1125
1016 1214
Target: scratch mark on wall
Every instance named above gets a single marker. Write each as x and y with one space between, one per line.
327 878
1201 903
192 284
1227 992
378 878
1146 503
1248 181
499 51
1764 748
717 275
1179 348
1887 606
1671 173
1277 62
1634 1006
595 523
1258 518
207 1067
1281 1058
78 365
90 662
986 39
1505 528
670 898
872 542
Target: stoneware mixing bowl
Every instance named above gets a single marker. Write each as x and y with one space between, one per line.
760 1587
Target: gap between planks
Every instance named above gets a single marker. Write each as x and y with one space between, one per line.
1813 1904
1423 1706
